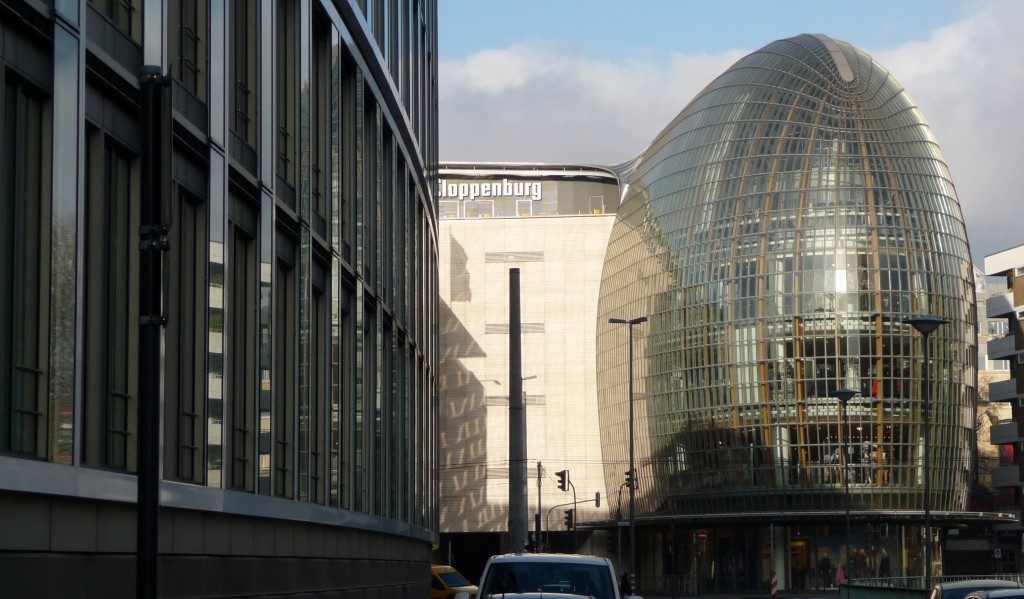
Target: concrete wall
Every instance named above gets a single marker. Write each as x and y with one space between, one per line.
560 258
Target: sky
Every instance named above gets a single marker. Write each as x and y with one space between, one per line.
594 82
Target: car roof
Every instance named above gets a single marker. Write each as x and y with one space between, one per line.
983 583
1007 593
549 557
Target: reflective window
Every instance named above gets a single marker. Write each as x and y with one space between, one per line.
185 383
111 305
285 355
23 301
243 307
124 14
242 67
187 44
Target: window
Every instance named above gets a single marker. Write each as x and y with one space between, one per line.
322 84
371 409
341 387
111 305
371 198
124 14
187 45
319 393
185 382
387 224
379 17
284 380
24 232
243 263
350 100
393 56
287 88
387 472
244 59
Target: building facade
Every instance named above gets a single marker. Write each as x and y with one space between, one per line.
300 350
552 222
777 235
1004 309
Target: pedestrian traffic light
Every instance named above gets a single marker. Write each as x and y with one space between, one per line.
563 479
597 499
570 519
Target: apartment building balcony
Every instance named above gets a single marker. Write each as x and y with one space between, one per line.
1006 476
1005 431
999 306
1001 263
1002 348
1003 391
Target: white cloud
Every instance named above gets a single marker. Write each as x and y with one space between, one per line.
968 79
541 105
544 105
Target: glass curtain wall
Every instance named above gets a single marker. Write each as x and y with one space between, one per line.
298 185
777 235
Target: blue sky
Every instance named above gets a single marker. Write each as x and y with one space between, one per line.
629 29
594 82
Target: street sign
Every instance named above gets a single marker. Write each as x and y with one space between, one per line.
702 534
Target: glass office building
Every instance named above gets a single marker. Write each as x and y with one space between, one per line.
300 348
777 234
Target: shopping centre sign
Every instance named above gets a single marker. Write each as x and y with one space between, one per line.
471 190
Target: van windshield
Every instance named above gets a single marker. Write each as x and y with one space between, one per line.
589 580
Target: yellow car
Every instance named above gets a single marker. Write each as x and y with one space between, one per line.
446 582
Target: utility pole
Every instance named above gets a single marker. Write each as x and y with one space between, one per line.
632 460
536 545
152 245
574 513
517 504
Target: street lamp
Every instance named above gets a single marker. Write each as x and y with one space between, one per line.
844 396
632 466
926 325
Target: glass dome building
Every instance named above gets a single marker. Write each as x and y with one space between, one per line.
777 235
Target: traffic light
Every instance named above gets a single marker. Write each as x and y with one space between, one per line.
563 479
629 479
570 519
597 499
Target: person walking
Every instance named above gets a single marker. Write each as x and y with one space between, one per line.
625 588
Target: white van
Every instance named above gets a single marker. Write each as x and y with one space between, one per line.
551 575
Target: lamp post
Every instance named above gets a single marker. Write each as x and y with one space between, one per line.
926 325
844 396
632 465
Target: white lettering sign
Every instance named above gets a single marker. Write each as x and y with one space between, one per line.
471 190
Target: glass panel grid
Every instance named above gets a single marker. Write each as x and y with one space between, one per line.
777 236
